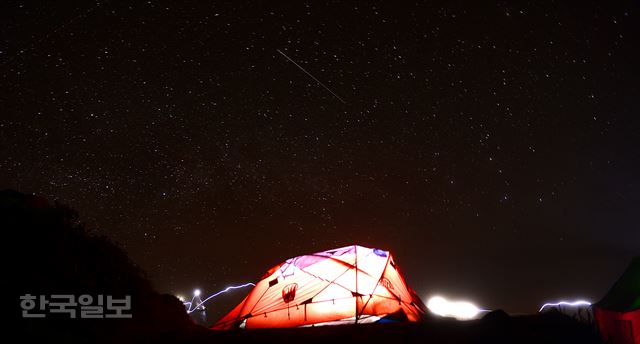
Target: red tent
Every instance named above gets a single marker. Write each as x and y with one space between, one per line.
618 313
352 284
618 327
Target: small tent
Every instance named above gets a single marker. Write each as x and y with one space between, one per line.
618 313
348 285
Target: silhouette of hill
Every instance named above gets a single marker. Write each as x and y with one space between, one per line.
49 252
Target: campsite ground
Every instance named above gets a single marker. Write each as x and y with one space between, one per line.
497 327
63 256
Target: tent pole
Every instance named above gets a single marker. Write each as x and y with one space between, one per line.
357 293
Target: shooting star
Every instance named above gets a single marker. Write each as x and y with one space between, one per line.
309 74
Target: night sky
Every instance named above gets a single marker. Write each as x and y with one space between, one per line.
494 149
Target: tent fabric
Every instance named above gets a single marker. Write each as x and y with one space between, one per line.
618 313
618 327
352 284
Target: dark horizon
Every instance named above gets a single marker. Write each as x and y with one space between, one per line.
492 149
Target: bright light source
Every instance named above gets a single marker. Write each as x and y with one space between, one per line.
180 298
461 310
566 303
200 305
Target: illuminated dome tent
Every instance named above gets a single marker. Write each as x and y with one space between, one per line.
348 285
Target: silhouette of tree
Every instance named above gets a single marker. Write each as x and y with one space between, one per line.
50 252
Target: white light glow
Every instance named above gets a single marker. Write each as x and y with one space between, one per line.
566 303
461 310
196 293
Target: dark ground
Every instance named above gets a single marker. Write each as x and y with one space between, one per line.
496 328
